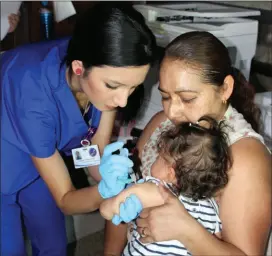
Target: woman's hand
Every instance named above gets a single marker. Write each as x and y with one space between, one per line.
114 170
162 223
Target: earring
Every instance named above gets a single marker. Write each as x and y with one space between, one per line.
224 101
78 71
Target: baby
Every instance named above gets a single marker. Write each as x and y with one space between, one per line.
193 160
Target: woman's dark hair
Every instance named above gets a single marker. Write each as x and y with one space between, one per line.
199 155
113 34
204 52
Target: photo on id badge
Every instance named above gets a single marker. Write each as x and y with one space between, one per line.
86 156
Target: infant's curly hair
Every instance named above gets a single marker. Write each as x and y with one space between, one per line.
199 155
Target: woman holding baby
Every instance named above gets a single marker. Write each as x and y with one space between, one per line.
197 79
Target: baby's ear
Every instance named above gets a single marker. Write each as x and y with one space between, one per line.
172 175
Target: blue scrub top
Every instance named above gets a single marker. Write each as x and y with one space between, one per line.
39 111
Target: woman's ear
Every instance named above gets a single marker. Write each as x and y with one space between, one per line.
228 87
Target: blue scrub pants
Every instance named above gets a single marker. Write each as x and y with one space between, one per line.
45 223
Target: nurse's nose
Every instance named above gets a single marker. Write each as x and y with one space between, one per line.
121 99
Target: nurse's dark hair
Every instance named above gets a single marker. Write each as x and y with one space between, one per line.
209 57
113 34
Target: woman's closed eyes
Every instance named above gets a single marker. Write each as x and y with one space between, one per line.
183 99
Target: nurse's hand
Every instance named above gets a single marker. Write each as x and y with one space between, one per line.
129 210
114 170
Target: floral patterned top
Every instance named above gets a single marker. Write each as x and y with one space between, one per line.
237 128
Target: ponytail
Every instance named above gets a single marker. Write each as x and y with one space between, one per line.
242 99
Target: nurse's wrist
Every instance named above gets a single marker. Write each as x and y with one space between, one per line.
95 198
104 191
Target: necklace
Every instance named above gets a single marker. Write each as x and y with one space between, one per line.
81 98
87 107
82 101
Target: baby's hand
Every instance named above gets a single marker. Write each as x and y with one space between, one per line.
108 208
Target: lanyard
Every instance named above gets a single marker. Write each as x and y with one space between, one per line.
86 141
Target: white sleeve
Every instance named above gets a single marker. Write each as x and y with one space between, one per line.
152 179
157 182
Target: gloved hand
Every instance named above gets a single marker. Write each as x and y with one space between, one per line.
114 170
129 210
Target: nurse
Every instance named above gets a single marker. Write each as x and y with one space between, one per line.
49 91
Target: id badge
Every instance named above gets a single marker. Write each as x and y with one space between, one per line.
86 156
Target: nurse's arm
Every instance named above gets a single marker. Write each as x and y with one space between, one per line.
102 138
71 201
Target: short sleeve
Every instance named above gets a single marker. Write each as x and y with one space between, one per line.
152 180
158 182
34 117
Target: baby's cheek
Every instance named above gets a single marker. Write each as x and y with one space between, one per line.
161 169
158 174
152 171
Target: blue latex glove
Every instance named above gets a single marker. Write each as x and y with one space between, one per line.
129 210
114 170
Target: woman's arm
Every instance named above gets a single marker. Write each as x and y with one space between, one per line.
113 245
102 138
245 210
57 178
148 194
249 195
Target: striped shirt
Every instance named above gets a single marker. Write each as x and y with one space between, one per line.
204 211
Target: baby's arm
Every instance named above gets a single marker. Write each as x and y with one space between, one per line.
148 193
218 235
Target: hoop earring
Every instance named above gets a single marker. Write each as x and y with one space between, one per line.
224 101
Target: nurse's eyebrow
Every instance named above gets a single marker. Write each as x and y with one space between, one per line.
120 84
117 83
178 90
